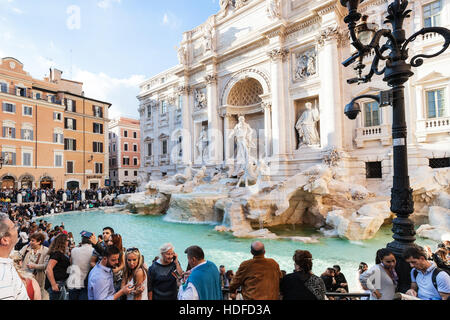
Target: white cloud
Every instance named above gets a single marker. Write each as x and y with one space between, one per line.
104 4
121 93
17 10
171 20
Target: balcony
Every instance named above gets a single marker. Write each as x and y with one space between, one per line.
366 134
149 161
164 159
432 126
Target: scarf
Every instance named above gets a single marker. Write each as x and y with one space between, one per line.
392 273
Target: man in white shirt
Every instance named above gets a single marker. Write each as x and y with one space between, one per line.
80 258
11 286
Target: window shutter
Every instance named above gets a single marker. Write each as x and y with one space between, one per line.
65 123
101 128
22 133
14 159
101 147
4 132
74 124
74 106
13 133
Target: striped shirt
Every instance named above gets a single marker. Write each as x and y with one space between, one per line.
11 286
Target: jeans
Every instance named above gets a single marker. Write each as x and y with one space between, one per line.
78 294
58 295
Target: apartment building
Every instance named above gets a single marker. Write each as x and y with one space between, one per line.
124 151
52 135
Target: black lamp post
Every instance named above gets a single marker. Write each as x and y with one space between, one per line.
396 72
1 162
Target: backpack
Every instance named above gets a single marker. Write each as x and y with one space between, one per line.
434 275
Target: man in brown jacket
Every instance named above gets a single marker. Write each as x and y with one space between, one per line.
259 278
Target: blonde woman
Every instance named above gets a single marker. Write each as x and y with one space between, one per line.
135 275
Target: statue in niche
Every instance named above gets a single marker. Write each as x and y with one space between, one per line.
182 55
200 99
202 144
244 141
273 9
306 65
6 158
208 36
307 126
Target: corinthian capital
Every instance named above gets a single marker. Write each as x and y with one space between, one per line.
211 78
184 89
332 33
277 54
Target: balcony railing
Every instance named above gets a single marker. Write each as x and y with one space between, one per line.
432 126
381 132
18 92
164 159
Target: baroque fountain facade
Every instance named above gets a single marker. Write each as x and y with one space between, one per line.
248 130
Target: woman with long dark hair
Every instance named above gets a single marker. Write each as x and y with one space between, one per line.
302 284
381 280
57 267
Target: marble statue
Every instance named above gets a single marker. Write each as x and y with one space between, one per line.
202 144
6 158
273 9
200 99
182 55
244 141
307 126
208 36
198 178
225 6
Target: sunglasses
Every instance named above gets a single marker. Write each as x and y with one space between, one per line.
132 250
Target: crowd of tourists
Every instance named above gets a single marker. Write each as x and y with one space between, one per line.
41 202
46 263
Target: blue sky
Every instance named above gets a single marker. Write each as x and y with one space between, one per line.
110 45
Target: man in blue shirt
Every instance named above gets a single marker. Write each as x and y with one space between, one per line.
427 282
101 280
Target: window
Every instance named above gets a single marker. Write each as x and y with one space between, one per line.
436 106
126 173
97 147
135 173
9 107
97 111
163 107
372 114
98 128
26 159
70 124
125 133
373 170
440 163
21 91
149 111
125 146
150 149
27 134
135 149
3 87
113 162
70 144
58 160
114 147
9 132
37 96
58 137
135 161
432 14
9 158
98 168
135 135
180 103
164 147
69 168
126 161
57 116
71 105
27 111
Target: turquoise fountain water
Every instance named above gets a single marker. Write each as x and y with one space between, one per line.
148 233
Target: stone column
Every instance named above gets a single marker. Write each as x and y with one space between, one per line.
267 106
186 123
331 110
227 120
279 120
215 135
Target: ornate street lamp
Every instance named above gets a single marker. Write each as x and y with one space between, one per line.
396 72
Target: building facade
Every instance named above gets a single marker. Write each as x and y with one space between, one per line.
50 132
278 64
124 151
